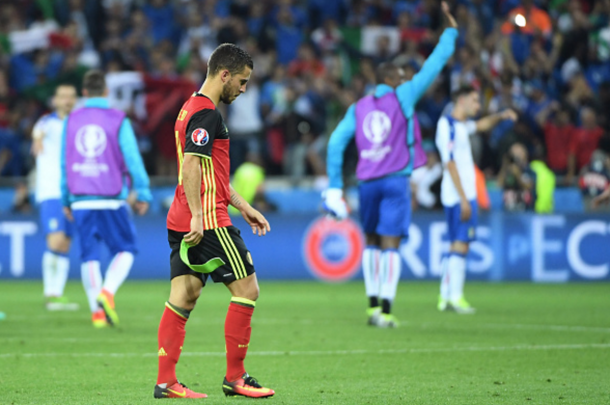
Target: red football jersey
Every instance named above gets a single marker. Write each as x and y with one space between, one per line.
201 131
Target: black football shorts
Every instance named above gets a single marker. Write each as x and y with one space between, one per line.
224 243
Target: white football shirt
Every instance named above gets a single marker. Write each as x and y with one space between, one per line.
453 143
48 171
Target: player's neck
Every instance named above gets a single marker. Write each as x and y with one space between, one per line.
211 91
459 114
61 114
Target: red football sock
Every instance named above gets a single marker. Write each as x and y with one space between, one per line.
237 336
171 338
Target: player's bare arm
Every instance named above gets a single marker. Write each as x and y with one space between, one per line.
465 209
487 123
191 181
451 22
37 141
255 219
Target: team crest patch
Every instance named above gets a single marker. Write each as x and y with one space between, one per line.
249 257
200 137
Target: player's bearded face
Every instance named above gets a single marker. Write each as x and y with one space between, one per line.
230 91
235 86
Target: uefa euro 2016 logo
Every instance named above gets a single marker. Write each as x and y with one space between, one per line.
376 127
333 250
91 141
200 137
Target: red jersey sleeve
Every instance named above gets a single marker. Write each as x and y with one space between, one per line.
201 132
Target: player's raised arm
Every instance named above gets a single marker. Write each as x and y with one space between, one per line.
410 92
487 123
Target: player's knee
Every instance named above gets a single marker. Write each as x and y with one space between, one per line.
372 239
460 247
186 301
58 244
249 292
253 293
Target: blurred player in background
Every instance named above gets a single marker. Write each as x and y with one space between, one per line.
46 147
199 220
386 160
458 189
99 153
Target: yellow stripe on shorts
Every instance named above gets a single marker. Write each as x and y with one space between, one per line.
228 252
239 259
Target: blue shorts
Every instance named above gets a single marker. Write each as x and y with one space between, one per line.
457 230
52 218
113 227
385 206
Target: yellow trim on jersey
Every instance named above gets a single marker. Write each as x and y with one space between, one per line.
197 154
204 195
213 213
180 156
241 269
246 301
228 252
208 194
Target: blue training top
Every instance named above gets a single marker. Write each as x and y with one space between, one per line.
408 95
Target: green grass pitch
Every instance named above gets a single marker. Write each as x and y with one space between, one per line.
528 344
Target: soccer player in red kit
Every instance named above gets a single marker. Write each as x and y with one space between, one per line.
199 218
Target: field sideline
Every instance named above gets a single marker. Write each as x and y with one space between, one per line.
528 344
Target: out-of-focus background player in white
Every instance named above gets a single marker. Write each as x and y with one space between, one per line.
458 189
46 147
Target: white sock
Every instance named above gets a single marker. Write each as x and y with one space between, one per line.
118 270
92 281
62 270
445 278
370 268
457 275
390 265
49 269
55 269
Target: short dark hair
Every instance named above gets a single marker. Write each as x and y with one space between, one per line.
95 83
385 71
230 57
463 90
60 85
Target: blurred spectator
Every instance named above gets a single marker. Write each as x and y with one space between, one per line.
248 181
536 20
288 35
328 37
312 59
483 200
517 180
538 101
584 141
246 125
306 63
595 177
160 15
545 185
556 122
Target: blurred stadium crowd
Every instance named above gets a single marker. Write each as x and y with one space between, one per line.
313 58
